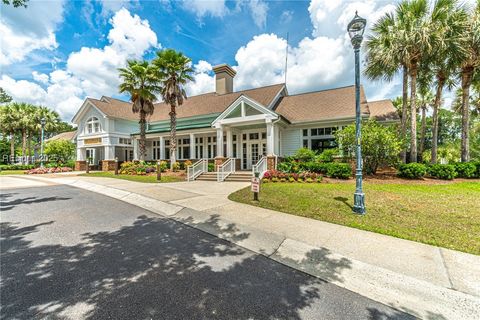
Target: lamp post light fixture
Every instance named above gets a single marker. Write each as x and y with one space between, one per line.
355 29
42 123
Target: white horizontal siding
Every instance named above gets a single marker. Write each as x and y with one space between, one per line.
291 141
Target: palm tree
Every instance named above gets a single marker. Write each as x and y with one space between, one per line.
9 125
446 18
425 99
415 34
469 62
174 71
52 123
385 58
139 80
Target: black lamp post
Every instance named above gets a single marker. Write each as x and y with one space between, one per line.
42 123
355 29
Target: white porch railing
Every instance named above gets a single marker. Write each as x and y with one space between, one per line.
261 166
197 169
224 170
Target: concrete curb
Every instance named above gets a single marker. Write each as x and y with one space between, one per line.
408 294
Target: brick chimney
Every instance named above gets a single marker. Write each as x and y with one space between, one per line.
224 75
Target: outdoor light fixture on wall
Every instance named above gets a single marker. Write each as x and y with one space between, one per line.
355 29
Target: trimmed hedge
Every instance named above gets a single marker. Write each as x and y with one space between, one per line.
17 166
412 170
442 171
339 170
466 169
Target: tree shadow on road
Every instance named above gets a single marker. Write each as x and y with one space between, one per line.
153 269
9 205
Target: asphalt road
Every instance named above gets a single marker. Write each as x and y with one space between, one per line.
67 253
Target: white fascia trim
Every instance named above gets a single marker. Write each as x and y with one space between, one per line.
82 110
256 105
277 96
331 120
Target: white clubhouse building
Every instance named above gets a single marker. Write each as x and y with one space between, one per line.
241 127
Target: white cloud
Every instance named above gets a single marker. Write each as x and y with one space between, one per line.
206 7
313 63
90 71
258 10
319 10
286 16
217 8
370 9
204 80
40 77
23 30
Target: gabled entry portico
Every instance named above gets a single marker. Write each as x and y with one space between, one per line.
253 128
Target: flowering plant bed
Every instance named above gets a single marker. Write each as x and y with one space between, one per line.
48 170
279 176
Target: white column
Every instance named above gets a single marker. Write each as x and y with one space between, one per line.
220 142
270 138
135 149
109 153
192 146
276 134
229 143
205 147
162 148
81 154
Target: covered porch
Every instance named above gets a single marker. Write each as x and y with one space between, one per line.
244 133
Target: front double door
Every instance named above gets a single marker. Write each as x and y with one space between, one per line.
252 151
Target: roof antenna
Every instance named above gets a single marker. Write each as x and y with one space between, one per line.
286 61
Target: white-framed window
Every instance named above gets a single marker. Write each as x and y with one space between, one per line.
319 139
92 125
198 147
184 148
156 149
211 147
125 141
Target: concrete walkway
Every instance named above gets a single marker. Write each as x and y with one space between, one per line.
426 281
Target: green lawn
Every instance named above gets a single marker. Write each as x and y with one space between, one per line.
5 172
146 179
446 215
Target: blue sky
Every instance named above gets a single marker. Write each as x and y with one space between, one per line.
56 53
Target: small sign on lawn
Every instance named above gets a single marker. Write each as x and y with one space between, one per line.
255 184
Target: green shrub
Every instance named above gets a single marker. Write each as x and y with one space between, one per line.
305 154
380 144
163 166
339 170
442 171
477 165
17 166
211 167
327 155
176 166
412 170
466 169
60 150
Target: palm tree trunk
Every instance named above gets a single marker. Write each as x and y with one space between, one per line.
423 131
403 153
436 106
413 114
12 147
29 147
142 141
467 74
24 145
173 135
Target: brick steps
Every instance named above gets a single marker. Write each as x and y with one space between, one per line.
239 176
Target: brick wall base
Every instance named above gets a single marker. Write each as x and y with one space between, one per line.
108 165
80 165
271 162
219 161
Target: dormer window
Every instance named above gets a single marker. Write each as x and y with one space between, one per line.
93 125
